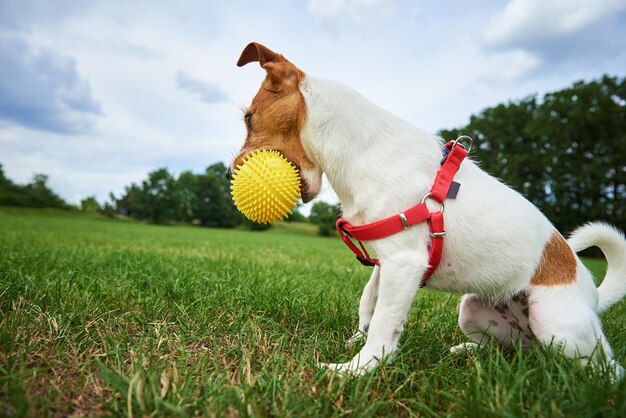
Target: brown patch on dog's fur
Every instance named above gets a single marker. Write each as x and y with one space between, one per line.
278 111
557 265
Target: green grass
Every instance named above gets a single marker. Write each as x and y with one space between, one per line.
102 317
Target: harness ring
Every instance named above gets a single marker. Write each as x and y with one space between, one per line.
427 195
464 138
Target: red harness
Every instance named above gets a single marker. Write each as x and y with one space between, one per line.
443 187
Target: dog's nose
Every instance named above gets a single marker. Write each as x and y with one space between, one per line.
229 174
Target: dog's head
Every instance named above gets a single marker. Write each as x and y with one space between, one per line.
277 115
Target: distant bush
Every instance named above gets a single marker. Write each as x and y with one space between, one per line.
35 194
296 216
324 215
90 205
254 226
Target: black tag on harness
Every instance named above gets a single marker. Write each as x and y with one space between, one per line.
454 190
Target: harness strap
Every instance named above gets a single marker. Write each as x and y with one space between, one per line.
450 165
454 156
385 227
437 232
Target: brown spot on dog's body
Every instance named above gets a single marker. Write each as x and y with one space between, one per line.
515 325
557 265
501 309
277 114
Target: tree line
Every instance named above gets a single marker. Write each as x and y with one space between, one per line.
203 199
35 194
200 199
162 198
565 151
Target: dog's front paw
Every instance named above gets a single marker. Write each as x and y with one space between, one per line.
469 346
345 369
358 366
355 339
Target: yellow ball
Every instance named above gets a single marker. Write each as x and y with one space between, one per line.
265 187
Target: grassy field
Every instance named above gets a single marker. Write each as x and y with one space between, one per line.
103 317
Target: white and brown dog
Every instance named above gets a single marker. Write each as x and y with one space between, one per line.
522 281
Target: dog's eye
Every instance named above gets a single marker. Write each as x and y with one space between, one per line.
248 119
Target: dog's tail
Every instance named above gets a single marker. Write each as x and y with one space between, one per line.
611 241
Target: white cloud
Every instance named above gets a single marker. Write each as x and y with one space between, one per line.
42 89
514 65
531 22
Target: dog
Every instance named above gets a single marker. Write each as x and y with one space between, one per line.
522 281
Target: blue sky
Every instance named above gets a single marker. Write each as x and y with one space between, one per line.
98 93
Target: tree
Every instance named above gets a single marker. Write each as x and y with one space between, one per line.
565 152
216 207
3 179
324 215
583 129
155 200
10 193
90 205
188 189
296 215
35 194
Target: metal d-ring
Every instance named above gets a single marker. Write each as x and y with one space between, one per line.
427 195
464 138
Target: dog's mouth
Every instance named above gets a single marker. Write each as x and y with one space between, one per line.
310 182
305 194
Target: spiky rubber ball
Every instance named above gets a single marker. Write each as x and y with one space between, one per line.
265 187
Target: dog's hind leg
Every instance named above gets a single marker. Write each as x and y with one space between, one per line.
481 320
567 318
366 307
398 283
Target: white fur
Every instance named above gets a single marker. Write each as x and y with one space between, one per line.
612 244
379 165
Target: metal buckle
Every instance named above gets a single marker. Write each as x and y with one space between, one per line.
438 234
464 138
405 222
427 195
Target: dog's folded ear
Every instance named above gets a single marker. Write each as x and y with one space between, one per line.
257 52
280 72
